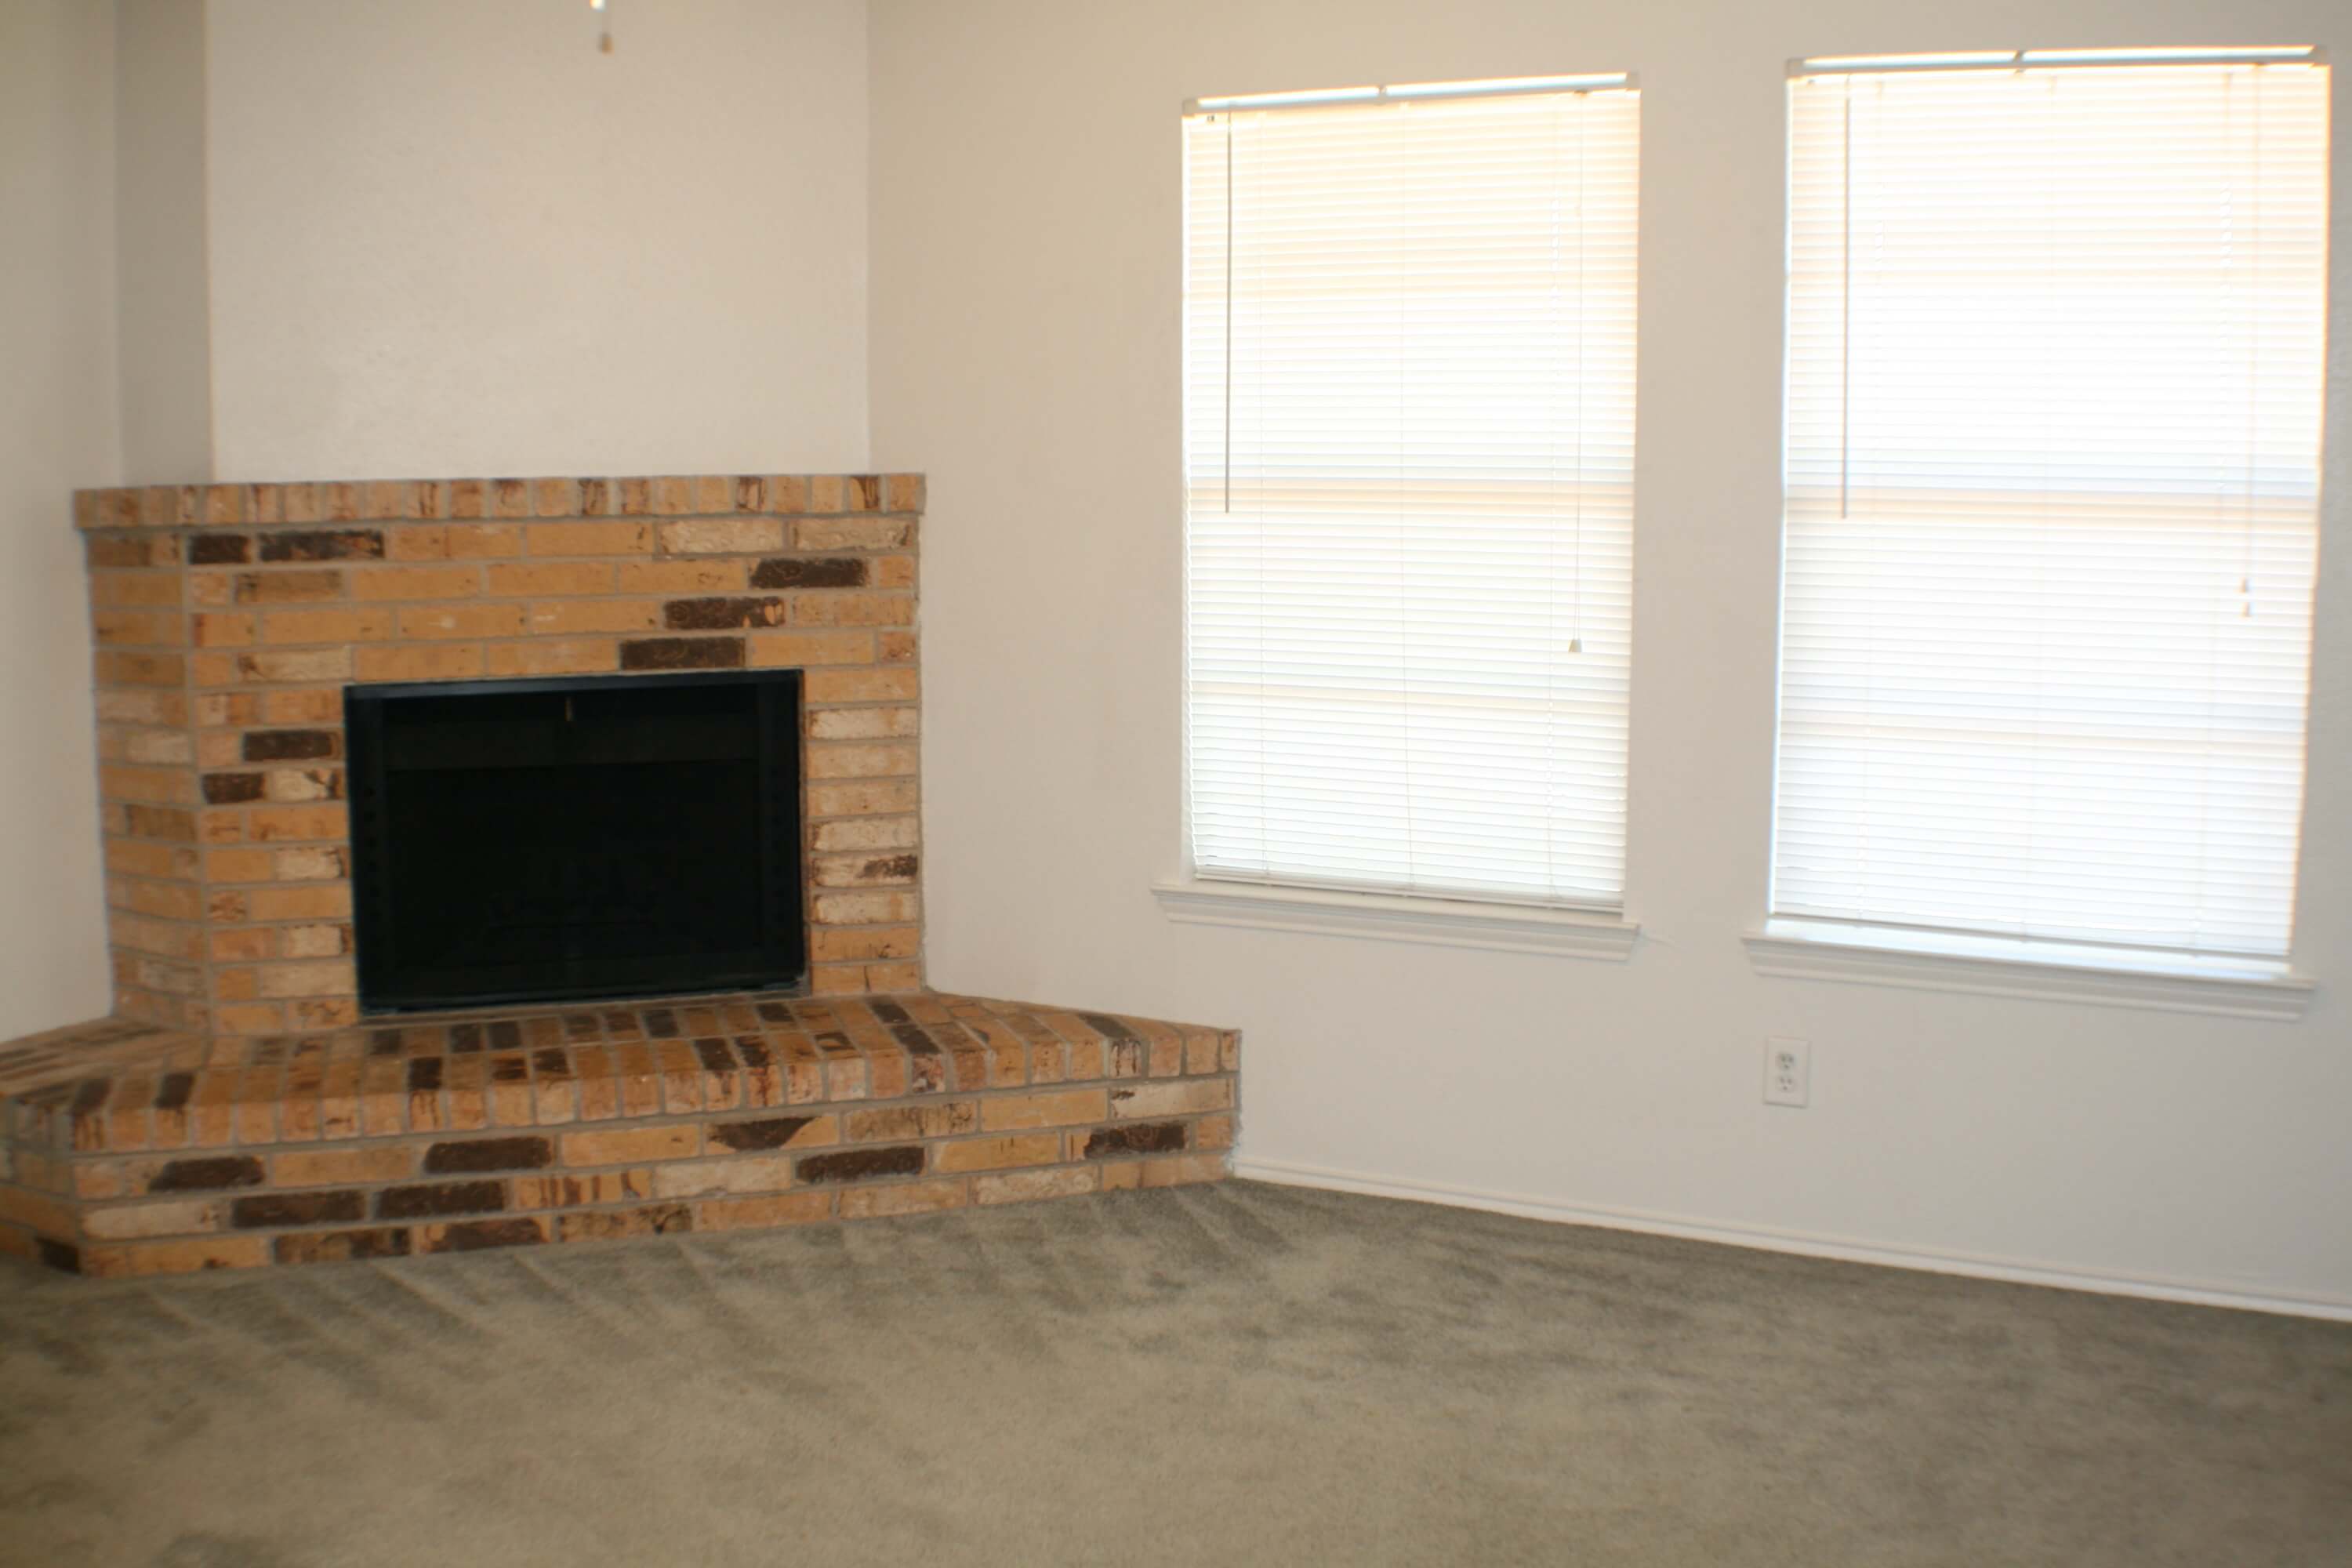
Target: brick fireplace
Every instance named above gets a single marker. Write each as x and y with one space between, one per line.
230 617
239 1108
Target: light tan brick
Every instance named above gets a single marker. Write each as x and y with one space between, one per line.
555 497
565 1192
307 865
590 539
327 626
722 1178
869 833
318 901
303 708
851 534
565 617
865 871
708 574
310 664
828 607
266 823
778 650
758 1213
861 723
281 981
723 536
461 621
1182 1170
895 1123
227 630
1182 1097
317 940
635 1146
914 1197
867 908
862 798
555 657
174 1256
428 542
860 686
1068 1107
425 661
535 578
862 944
343 1167
482 541
996 1154
379 582
832 760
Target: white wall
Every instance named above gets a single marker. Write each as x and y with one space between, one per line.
1026 354
159 210
451 237
56 431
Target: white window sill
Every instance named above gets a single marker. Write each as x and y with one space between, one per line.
1440 923
1998 966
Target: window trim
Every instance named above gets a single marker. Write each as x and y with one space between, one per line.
1789 948
1423 919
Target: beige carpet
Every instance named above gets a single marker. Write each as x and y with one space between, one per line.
1244 1374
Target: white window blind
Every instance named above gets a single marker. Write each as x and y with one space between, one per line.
2055 373
1409 446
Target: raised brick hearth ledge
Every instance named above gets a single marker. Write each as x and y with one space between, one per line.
128 1149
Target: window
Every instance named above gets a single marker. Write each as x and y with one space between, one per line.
2054 371
1409 448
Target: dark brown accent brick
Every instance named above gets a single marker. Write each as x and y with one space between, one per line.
173 1092
772 1133
465 1038
488 1154
476 1236
232 789
325 545
219 550
683 652
207 1175
826 572
424 1074
91 1094
721 615
341 1245
861 1165
298 1208
714 1053
456 1198
63 1256
660 1023
291 745
1136 1138
506 1035
888 868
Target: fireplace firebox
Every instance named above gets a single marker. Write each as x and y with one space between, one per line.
523 840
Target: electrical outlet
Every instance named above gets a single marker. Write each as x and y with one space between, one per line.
1788 1071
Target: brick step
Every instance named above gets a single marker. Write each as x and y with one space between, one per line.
130 1149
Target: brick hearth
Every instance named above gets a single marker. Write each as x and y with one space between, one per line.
131 1150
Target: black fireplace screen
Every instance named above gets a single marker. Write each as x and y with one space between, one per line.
528 839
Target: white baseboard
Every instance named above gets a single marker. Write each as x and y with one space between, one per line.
1767 1238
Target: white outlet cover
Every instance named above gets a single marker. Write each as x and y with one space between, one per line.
1788 1071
